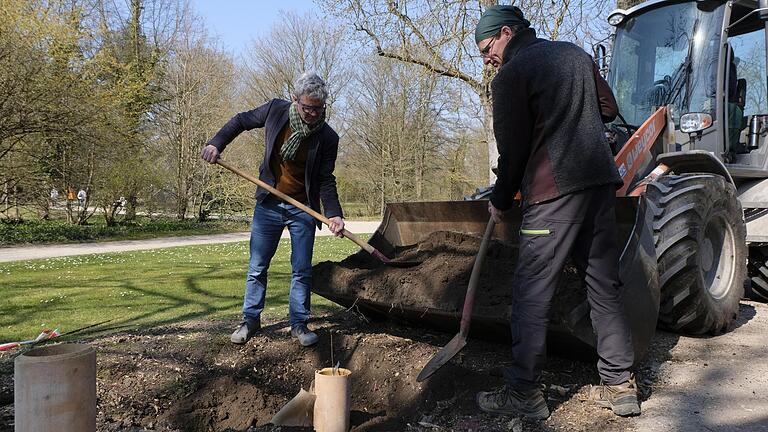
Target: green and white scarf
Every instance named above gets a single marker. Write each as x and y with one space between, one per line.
300 130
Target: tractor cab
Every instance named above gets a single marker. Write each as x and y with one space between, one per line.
705 61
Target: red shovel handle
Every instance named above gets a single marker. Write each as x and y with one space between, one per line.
474 279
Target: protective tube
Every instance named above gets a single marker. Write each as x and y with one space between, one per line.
332 403
55 389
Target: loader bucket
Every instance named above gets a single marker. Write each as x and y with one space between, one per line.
407 227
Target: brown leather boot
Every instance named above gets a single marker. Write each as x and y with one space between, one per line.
504 400
621 398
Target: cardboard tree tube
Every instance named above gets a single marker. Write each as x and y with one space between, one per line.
55 389
332 403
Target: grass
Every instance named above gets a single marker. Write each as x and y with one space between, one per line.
144 288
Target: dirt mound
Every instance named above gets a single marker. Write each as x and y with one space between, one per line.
439 284
188 377
272 368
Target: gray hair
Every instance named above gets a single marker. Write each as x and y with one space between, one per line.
311 85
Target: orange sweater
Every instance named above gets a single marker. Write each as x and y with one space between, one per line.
289 175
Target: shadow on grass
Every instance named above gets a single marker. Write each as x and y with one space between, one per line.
137 299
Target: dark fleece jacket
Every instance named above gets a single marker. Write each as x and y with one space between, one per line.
547 122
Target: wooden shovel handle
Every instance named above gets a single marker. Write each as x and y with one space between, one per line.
368 248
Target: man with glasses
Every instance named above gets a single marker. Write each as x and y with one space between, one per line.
549 104
299 160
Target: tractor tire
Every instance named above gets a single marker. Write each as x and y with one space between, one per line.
701 251
757 268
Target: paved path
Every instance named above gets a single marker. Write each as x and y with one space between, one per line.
712 383
20 253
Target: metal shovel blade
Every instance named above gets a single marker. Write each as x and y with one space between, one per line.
443 356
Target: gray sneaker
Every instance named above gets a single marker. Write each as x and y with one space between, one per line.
504 400
245 331
304 335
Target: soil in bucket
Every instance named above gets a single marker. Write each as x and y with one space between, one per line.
439 284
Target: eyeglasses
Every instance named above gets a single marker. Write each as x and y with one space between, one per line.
311 109
486 51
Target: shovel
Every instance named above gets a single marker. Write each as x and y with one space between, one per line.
367 247
458 341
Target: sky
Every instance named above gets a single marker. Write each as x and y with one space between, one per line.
237 22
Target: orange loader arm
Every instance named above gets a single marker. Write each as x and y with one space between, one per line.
631 156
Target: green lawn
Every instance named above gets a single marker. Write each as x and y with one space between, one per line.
144 288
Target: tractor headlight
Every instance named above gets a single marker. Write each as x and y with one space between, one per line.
616 18
695 122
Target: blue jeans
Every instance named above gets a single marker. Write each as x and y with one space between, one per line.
269 219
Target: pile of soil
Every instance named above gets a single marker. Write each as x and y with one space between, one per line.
188 377
440 282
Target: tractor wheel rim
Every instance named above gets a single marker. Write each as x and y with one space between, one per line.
716 257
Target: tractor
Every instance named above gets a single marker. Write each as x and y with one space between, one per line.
690 81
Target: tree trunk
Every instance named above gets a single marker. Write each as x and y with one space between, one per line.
109 213
46 213
16 202
130 208
493 152
485 101
457 170
136 8
70 219
137 64
83 215
419 177
181 195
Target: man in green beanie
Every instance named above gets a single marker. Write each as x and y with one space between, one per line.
549 105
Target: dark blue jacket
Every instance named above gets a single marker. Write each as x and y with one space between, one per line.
319 180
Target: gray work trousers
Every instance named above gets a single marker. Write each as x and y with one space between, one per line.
581 225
